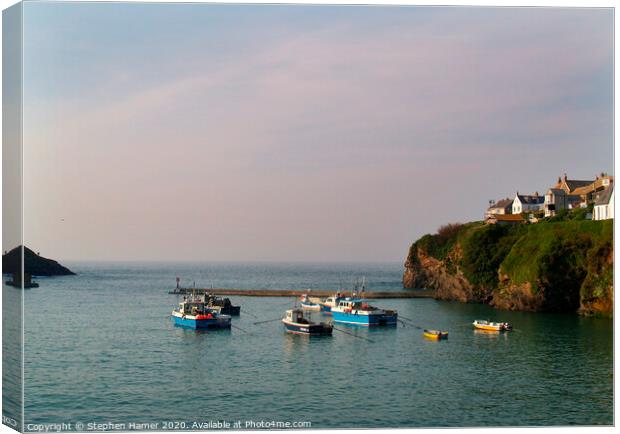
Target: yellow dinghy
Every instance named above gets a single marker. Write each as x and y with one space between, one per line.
491 326
435 334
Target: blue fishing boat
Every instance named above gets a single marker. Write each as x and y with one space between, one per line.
307 304
334 300
196 313
331 302
295 322
357 311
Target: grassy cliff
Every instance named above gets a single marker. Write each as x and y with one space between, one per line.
563 265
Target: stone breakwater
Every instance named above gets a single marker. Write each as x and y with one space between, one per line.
420 293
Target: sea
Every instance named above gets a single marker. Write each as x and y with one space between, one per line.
102 354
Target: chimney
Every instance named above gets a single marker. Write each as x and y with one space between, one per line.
565 177
559 179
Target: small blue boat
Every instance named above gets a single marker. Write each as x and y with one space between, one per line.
307 304
357 311
196 314
295 322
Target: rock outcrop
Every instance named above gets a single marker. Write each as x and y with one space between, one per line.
34 264
449 283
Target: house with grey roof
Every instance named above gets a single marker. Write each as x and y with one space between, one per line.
556 199
501 207
570 185
527 203
575 193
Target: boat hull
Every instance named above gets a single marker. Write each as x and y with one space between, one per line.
365 320
227 310
222 322
231 310
326 309
310 306
307 329
435 335
487 328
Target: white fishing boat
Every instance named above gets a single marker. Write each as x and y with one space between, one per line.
481 324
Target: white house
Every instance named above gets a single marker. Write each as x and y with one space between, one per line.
527 203
604 204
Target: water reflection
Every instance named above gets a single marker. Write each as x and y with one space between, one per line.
494 334
196 336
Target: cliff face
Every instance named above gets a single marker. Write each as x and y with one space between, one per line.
33 264
517 297
556 267
424 271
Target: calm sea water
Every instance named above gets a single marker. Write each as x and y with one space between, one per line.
101 348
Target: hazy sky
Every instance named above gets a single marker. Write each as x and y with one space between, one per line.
235 132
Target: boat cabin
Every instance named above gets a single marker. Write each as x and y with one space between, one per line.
296 316
214 300
355 305
192 308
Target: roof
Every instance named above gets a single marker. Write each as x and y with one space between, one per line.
503 203
508 217
605 196
529 199
584 190
556 191
603 181
576 183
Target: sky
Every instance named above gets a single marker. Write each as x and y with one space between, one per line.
194 132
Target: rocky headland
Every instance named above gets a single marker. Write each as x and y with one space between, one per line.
551 266
34 264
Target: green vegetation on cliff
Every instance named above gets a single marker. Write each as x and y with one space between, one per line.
561 264
440 244
556 254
